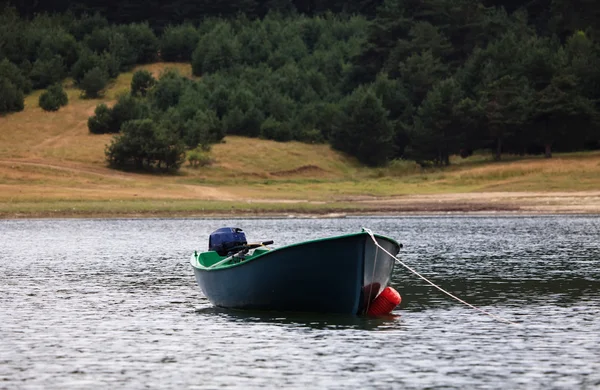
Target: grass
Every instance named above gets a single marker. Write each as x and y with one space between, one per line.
51 165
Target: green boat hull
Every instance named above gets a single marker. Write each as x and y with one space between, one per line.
339 274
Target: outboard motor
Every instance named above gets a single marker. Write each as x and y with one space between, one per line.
225 240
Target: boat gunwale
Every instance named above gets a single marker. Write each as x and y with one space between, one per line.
195 262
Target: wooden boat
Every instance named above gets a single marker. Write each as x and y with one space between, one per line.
341 274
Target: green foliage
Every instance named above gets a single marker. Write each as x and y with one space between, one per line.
203 129
87 24
168 90
53 98
46 72
144 145
178 42
436 77
102 121
94 82
128 108
199 157
11 97
438 131
217 50
365 131
142 40
142 82
87 61
272 129
11 72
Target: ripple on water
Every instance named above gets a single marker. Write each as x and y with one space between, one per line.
99 303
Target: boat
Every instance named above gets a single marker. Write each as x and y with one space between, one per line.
341 274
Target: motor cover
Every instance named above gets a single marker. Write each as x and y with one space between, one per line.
226 239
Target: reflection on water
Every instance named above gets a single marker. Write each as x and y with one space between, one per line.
309 320
114 303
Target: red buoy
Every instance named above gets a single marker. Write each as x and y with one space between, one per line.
385 302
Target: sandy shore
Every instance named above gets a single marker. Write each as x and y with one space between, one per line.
585 202
484 203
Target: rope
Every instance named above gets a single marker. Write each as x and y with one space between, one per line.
434 285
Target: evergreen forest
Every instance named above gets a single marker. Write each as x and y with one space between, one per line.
378 80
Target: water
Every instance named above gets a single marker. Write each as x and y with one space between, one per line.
113 303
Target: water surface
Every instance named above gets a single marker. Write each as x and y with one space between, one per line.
100 303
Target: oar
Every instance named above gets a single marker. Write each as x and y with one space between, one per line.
244 248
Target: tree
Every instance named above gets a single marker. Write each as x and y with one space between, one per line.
217 50
364 130
168 90
143 41
506 103
142 82
178 42
11 97
53 98
438 132
11 72
560 112
47 71
94 81
144 145
102 121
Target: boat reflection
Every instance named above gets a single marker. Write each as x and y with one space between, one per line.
308 320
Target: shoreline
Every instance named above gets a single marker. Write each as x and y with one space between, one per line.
470 204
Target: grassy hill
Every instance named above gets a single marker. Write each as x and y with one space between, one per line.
50 165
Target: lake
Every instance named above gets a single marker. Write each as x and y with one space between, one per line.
113 303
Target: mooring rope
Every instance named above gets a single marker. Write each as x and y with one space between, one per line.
435 285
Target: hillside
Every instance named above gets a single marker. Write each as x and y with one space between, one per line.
50 165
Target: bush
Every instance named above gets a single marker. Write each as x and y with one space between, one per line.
204 128
142 40
141 82
199 157
178 43
217 50
11 97
87 61
102 121
275 130
11 72
168 90
128 108
144 145
94 82
54 98
46 72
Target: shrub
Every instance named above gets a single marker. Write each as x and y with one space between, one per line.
53 98
46 72
178 43
128 108
144 145
94 81
217 50
142 40
87 61
168 89
102 121
199 157
204 128
275 130
141 82
11 97
10 71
